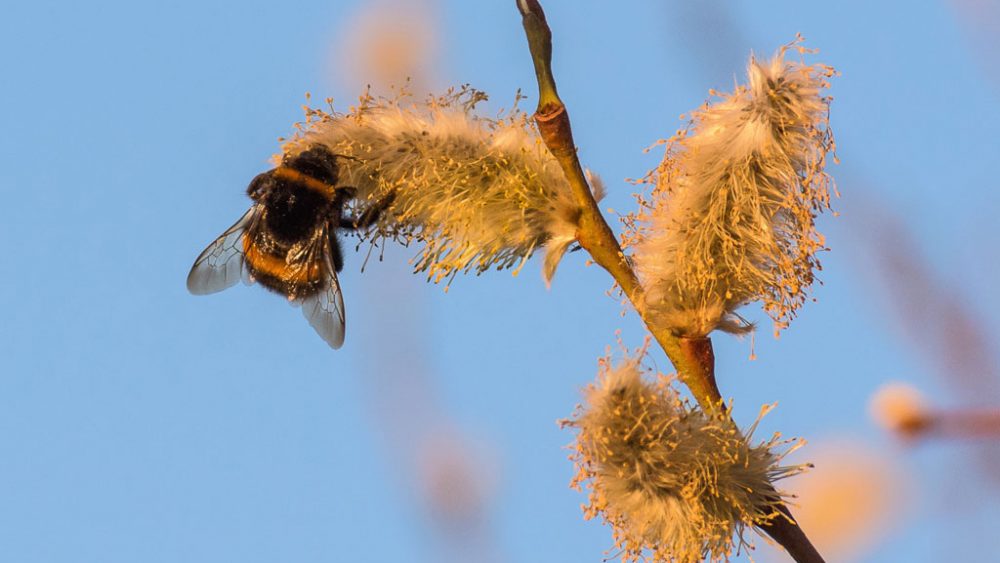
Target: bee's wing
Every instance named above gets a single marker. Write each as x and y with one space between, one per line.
325 308
221 264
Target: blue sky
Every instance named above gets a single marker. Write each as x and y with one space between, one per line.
139 423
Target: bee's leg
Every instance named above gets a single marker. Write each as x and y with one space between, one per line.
345 193
370 215
336 252
341 196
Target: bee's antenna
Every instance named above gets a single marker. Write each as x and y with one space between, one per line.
349 157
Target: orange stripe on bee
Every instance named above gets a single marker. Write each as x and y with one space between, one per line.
294 176
276 267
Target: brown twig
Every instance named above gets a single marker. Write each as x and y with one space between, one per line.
692 358
593 233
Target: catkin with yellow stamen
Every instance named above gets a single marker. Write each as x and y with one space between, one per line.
676 484
732 215
478 193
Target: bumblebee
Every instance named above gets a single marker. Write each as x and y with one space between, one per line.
287 241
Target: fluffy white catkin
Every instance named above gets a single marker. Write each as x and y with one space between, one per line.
675 484
731 216
476 192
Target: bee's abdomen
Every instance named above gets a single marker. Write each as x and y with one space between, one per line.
269 265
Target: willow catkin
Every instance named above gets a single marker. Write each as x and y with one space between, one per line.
732 215
476 192
676 484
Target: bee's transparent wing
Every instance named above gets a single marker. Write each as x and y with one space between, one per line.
325 308
221 264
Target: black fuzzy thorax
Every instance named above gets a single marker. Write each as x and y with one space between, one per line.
317 162
293 212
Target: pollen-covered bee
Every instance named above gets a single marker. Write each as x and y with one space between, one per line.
288 242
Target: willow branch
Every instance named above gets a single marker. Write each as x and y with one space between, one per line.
689 356
693 358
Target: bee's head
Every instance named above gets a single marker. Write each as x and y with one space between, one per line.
317 162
